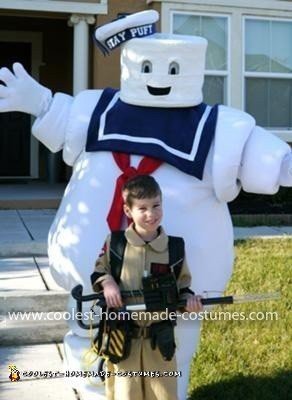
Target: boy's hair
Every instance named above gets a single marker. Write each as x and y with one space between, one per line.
140 187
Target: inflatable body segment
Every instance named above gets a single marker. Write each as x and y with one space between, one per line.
286 171
232 132
50 128
77 126
261 162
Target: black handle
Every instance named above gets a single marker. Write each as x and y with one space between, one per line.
77 295
217 300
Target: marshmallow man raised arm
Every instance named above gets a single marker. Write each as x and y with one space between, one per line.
22 93
65 124
61 120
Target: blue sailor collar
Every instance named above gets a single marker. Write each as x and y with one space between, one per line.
179 136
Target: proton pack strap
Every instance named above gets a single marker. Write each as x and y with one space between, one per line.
176 248
117 249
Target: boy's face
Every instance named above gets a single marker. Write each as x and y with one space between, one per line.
146 214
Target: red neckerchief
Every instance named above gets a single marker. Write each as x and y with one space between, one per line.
146 166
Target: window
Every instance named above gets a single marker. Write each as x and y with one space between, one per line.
268 72
215 30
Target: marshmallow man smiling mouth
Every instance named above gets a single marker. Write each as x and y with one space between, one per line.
156 91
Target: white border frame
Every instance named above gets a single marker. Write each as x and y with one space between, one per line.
35 38
55 6
211 72
285 134
277 5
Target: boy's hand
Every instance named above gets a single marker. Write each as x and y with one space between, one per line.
112 294
194 304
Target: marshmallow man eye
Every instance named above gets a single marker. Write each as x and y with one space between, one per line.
173 68
146 67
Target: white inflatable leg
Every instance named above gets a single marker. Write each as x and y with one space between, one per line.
78 359
187 338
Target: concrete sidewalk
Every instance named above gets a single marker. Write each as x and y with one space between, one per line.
31 195
31 361
27 285
262 232
24 232
25 282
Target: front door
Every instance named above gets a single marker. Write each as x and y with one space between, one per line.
15 126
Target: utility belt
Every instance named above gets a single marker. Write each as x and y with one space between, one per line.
115 335
140 331
113 341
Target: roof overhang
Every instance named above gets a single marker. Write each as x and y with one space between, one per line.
79 7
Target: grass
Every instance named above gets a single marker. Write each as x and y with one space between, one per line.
250 360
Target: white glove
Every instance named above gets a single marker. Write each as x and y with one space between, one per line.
22 93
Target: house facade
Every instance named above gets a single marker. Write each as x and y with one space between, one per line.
248 66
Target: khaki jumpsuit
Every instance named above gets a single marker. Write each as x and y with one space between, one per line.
138 257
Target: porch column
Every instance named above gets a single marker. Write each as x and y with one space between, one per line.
80 23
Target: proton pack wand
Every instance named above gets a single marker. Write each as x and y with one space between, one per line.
160 293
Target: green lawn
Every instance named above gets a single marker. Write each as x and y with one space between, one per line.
250 360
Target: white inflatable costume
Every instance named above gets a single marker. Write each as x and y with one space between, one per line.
162 78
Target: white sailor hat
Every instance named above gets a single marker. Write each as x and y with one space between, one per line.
126 27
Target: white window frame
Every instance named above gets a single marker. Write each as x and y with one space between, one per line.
236 10
212 72
82 7
285 134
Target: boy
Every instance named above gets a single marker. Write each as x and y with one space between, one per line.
146 253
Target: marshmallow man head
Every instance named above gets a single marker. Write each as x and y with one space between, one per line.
163 70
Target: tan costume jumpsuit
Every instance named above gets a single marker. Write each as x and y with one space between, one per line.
139 257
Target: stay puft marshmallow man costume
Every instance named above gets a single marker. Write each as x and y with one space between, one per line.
206 155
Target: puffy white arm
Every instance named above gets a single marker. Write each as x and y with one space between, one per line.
286 171
232 132
50 128
65 124
62 120
22 93
265 164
